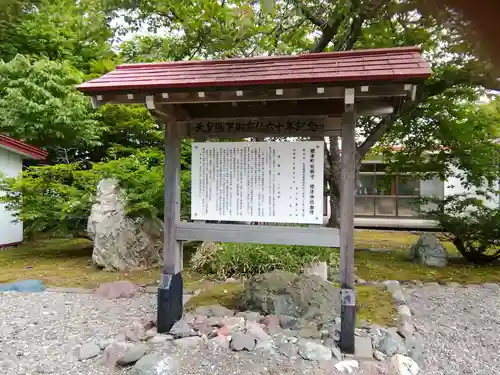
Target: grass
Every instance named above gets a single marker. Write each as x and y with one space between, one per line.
62 262
374 304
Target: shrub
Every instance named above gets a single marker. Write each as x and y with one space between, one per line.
234 259
473 228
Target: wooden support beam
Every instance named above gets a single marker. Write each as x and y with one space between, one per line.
347 191
170 305
260 234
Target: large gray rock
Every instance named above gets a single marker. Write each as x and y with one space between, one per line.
313 351
120 242
299 296
428 251
155 364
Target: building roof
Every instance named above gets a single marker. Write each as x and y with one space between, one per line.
21 148
387 64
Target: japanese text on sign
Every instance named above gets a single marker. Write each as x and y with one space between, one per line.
280 182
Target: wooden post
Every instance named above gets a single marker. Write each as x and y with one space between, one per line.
348 175
170 293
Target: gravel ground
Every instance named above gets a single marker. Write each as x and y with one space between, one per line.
40 333
460 327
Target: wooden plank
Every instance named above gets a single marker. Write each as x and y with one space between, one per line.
261 127
261 234
347 193
172 252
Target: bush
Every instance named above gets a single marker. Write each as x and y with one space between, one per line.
58 198
234 259
473 228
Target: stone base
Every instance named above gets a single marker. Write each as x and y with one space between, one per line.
170 306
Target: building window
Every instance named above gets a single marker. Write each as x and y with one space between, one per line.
383 195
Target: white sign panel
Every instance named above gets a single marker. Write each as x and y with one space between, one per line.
278 182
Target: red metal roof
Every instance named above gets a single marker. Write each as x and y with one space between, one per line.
22 148
387 64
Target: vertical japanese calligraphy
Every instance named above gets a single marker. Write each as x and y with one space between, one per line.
279 182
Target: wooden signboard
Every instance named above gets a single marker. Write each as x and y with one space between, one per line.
262 127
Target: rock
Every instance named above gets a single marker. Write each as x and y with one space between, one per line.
215 321
313 351
491 286
337 353
363 347
319 269
291 322
361 282
242 341
161 338
271 323
288 349
151 333
235 323
329 342
223 331
255 330
379 356
122 243
402 365
392 344
310 332
103 343
299 296
203 328
88 350
428 251
392 285
405 328
232 280
251 316
349 366
181 329
135 332
404 311
220 342
24 286
114 351
155 364
188 342
117 289
133 354
214 311
398 297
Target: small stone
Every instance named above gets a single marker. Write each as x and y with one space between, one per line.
160 338
203 328
250 316
392 344
255 330
151 333
337 353
359 332
398 297
234 324
272 323
361 282
155 364
242 341
220 342
215 321
89 350
214 310
313 351
391 285
133 354
188 342
402 365
135 332
405 328
232 280
288 349
404 311
290 322
223 331
363 347
117 289
310 332
114 351
379 356
347 366
103 343
182 329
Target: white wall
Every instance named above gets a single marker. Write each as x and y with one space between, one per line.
10 165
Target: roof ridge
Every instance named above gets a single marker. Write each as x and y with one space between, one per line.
22 147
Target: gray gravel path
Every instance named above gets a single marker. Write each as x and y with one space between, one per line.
460 327
41 333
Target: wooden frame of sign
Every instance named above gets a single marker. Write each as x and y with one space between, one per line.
313 111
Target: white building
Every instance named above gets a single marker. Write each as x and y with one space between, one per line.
12 153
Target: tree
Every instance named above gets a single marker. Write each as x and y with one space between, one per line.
243 28
40 105
76 32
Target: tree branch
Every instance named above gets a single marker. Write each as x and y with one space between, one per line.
373 138
316 21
